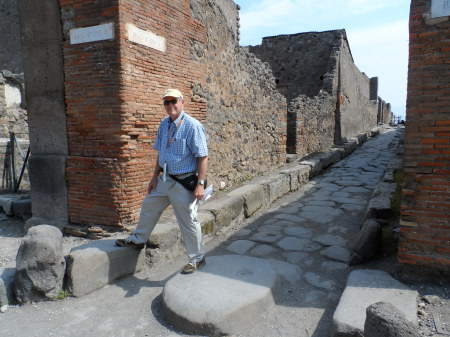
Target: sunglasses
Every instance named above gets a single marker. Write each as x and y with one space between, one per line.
173 101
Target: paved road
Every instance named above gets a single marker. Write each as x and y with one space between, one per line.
306 235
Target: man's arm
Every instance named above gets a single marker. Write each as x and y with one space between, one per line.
154 181
201 171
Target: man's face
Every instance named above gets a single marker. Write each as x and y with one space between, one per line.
174 106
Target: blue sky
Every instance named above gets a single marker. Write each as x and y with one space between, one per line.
377 31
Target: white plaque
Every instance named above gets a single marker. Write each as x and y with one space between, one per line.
440 8
91 34
146 38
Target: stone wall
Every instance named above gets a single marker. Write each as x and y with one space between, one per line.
328 97
245 116
425 216
357 113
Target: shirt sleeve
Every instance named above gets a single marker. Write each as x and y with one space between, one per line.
197 142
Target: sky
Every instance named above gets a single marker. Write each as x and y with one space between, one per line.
377 31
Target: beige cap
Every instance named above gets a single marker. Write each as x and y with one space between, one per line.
173 93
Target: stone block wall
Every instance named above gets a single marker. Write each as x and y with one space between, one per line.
357 113
245 115
425 217
329 99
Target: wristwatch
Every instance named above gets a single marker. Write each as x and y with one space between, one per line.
201 182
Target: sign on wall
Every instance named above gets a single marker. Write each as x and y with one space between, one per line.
91 34
145 38
440 8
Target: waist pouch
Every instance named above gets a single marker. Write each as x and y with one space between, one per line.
189 183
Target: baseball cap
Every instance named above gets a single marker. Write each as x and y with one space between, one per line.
173 93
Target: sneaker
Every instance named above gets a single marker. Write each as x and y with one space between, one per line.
128 243
193 266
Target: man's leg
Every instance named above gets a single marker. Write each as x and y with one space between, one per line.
152 207
185 210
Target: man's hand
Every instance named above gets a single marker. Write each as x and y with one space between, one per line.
199 192
152 185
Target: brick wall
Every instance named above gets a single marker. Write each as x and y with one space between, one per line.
425 225
114 93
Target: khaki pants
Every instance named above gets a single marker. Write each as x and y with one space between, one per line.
185 208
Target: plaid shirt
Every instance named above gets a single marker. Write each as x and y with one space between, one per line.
180 143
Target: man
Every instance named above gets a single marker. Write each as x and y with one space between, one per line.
182 155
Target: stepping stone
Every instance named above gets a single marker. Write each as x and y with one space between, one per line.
222 298
240 246
364 288
302 245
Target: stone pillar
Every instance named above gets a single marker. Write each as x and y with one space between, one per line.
44 83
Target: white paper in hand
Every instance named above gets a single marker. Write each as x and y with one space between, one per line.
208 194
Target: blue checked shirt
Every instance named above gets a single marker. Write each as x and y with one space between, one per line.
188 143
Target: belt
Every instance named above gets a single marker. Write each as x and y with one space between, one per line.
182 176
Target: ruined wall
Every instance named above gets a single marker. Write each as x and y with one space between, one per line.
328 97
245 116
356 113
425 217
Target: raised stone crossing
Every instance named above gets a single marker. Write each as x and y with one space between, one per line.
283 271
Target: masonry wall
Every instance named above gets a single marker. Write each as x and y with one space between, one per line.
246 116
328 97
114 101
425 217
357 112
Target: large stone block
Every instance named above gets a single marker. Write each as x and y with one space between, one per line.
40 265
367 287
277 185
230 291
227 211
253 196
96 264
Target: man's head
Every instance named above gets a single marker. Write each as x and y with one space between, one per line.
173 103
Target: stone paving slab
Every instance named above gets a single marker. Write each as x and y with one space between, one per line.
364 288
221 298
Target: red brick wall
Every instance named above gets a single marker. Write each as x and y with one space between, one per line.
113 94
425 225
